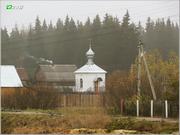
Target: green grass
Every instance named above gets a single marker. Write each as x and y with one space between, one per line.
72 118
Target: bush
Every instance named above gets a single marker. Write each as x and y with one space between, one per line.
130 106
119 85
143 126
121 123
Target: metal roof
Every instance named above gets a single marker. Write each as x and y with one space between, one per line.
9 76
90 69
56 73
58 68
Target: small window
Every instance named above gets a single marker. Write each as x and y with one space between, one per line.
81 83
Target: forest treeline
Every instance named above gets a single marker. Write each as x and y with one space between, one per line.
114 41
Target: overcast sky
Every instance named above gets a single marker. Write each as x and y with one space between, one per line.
80 10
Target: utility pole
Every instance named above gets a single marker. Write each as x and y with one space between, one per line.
141 54
138 79
139 71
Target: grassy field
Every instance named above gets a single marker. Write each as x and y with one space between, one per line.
78 120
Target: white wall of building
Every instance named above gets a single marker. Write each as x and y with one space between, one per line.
88 81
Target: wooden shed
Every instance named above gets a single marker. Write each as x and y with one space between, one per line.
22 72
59 77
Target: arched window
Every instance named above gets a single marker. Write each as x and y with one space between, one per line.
81 83
99 79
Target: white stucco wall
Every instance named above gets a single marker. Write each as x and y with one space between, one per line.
88 81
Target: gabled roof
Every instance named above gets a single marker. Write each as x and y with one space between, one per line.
90 69
56 73
9 76
22 74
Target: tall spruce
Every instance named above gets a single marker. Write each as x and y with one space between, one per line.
115 43
6 48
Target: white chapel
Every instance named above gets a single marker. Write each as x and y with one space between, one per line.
90 77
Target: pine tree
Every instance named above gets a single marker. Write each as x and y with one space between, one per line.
96 24
50 27
80 26
129 39
15 33
37 25
66 24
4 35
140 30
38 45
72 26
59 24
87 23
5 46
88 28
44 26
126 19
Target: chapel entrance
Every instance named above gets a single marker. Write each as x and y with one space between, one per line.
96 84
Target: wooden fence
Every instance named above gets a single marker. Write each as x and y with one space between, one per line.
80 99
27 98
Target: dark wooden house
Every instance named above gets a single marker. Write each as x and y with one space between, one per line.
23 76
60 77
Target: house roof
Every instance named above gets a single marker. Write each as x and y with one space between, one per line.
10 77
57 73
22 74
90 69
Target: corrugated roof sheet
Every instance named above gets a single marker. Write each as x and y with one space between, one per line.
9 76
57 73
88 68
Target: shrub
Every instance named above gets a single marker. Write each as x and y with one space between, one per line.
121 123
130 106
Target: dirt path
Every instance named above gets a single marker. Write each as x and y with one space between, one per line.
153 119
32 113
158 119
40 113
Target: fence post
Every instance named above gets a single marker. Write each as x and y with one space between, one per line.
121 105
151 108
64 100
137 108
166 109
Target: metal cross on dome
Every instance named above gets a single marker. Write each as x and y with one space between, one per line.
90 42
